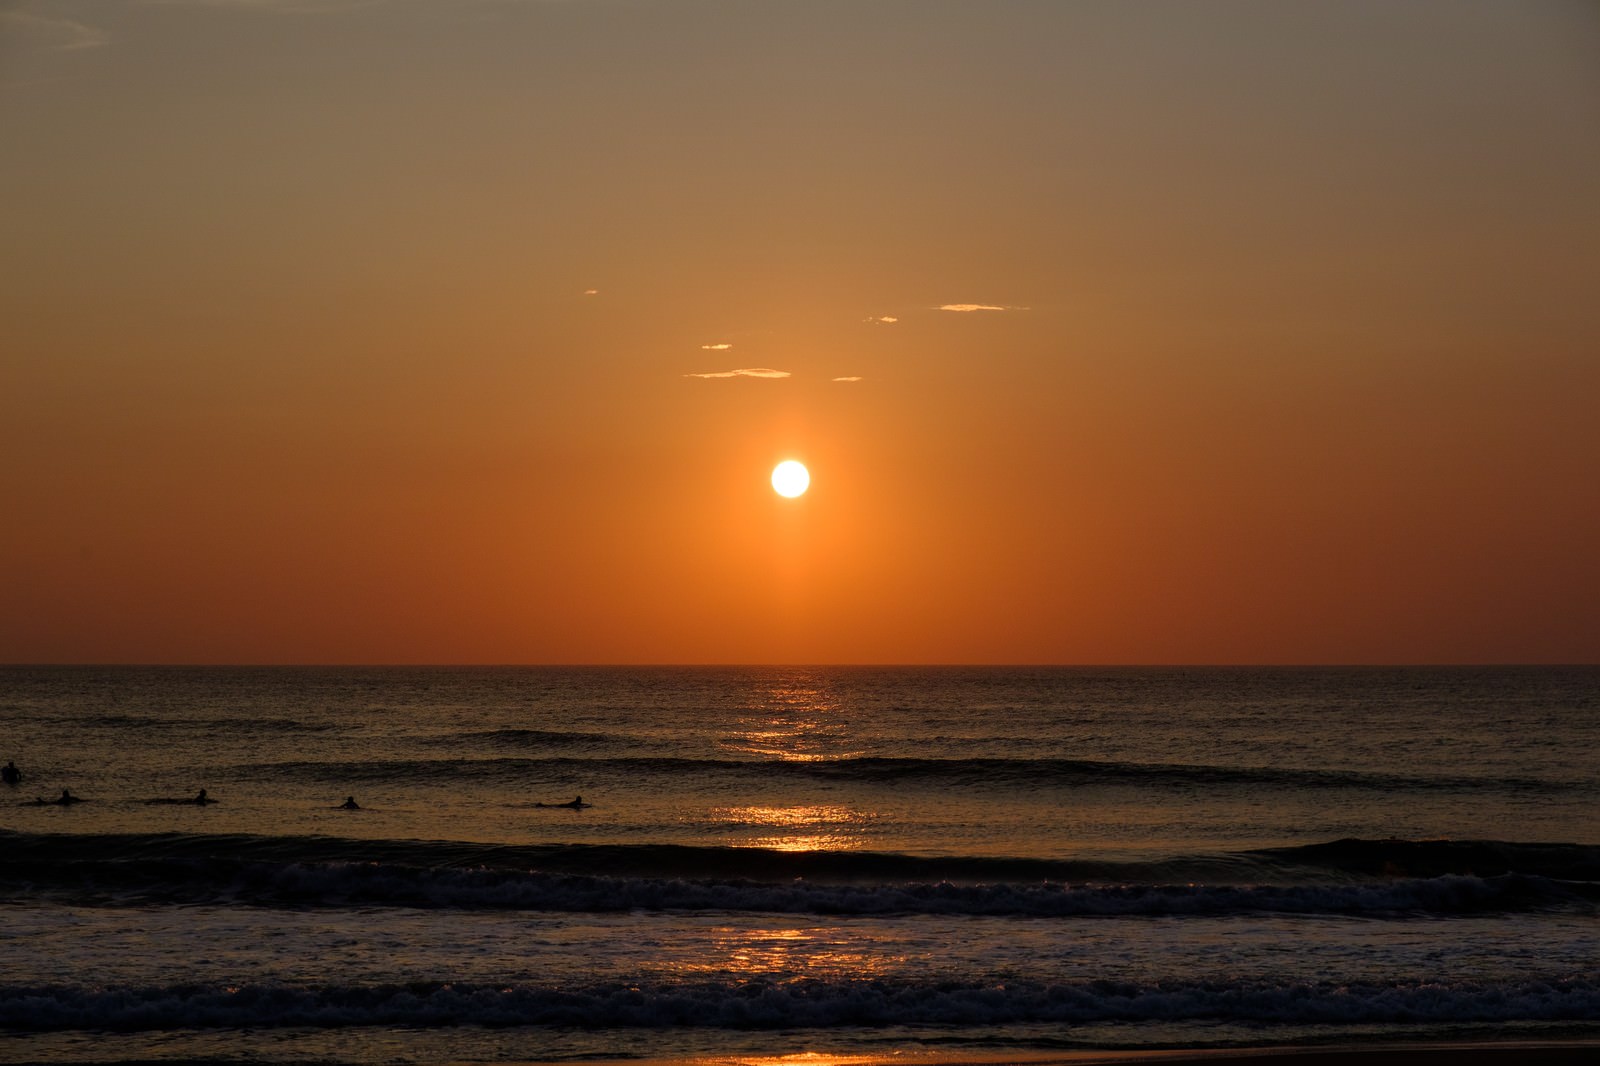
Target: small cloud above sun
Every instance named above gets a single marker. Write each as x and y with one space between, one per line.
724 346
750 372
853 378
967 308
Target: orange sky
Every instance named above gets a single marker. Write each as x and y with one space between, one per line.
1293 355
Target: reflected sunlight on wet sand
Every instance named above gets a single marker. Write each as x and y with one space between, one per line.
1548 1053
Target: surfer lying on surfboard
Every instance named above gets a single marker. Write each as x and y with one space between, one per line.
195 801
577 804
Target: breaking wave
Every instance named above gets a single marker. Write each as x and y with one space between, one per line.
1365 878
538 753
793 1004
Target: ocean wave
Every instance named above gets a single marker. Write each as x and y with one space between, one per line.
155 721
794 1004
1431 858
524 739
328 872
1338 860
987 774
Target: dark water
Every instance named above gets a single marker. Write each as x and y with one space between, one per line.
792 859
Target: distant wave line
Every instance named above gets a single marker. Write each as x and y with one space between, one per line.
760 1004
987 772
1374 878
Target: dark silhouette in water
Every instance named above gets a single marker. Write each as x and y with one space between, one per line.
577 804
10 774
67 799
198 801
349 804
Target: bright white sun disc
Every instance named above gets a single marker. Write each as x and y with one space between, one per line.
790 478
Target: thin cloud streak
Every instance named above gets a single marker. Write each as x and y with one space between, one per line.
751 372
715 347
856 378
978 307
288 7
64 35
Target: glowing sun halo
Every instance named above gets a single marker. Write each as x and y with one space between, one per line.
790 478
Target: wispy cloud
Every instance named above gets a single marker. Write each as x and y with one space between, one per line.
292 7
979 307
856 378
62 34
591 292
882 320
753 372
716 347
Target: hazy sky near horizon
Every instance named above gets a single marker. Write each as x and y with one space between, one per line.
1147 332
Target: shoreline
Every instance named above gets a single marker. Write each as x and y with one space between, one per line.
1559 1052
1422 1053
1490 1051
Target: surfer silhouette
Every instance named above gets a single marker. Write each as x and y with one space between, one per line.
349 804
67 799
577 804
10 774
199 800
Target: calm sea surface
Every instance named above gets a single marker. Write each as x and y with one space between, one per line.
791 859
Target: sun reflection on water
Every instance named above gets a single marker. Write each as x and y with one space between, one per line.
787 954
816 827
900 1057
794 717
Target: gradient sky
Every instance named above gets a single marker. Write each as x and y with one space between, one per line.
396 331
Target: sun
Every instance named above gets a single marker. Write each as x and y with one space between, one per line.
790 478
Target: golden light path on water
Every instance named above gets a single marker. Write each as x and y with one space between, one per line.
802 828
795 719
815 950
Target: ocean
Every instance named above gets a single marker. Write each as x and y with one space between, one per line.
777 860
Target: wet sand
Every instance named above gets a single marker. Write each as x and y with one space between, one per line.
1420 1054
1495 1053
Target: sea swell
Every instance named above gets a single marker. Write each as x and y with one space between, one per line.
785 1004
985 773
181 869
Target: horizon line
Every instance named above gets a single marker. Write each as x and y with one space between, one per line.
1393 665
